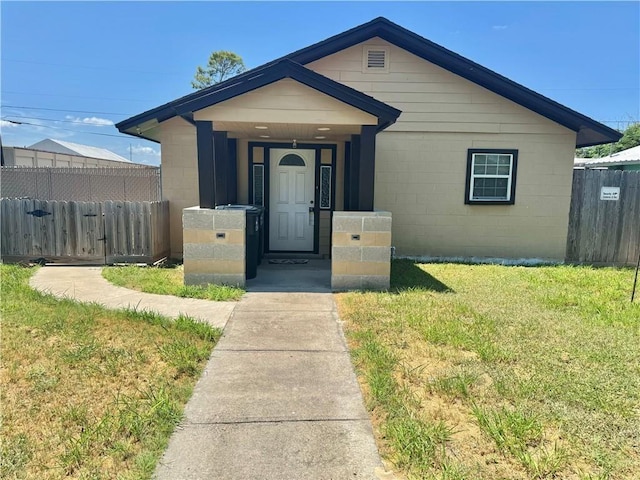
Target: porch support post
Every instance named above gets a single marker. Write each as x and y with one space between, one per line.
206 185
232 173
347 175
367 170
220 167
353 174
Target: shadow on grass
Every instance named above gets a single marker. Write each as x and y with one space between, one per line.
406 275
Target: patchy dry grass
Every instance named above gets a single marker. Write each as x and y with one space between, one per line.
89 393
486 372
168 280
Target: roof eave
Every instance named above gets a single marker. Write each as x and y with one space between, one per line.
168 109
139 135
589 132
589 137
278 71
459 65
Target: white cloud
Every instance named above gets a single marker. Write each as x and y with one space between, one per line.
500 27
6 124
140 150
95 121
59 134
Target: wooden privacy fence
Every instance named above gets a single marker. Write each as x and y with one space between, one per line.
604 221
87 232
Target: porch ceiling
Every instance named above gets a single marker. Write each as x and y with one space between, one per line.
302 132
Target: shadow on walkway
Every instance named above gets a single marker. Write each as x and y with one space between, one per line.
311 277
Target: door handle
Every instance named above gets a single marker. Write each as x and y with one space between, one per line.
310 209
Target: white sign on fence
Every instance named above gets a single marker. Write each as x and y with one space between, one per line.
610 193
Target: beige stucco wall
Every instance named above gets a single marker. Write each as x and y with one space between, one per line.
431 98
420 178
179 174
421 161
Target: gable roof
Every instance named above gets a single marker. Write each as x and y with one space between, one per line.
589 132
288 69
69 148
260 77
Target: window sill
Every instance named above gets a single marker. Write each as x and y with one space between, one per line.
490 202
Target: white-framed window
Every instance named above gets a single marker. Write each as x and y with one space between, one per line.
491 176
375 59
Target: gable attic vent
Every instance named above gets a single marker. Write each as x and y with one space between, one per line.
376 59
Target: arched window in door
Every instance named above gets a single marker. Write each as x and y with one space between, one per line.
292 160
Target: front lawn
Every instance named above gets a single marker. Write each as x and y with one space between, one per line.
488 372
89 393
167 280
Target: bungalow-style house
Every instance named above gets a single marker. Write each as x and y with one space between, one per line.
372 138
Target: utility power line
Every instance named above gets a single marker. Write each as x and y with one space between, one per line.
74 96
92 67
61 128
65 110
79 122
577 89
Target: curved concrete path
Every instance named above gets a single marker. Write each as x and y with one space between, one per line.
278 398
86 284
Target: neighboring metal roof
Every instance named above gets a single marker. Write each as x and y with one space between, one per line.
69 148
631 156
589 132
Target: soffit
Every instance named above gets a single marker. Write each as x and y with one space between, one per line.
288 131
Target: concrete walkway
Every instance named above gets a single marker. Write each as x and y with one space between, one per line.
278 398
86 284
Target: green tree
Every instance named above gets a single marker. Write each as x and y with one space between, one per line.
221 65
630 138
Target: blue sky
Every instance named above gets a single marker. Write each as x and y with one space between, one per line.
75 68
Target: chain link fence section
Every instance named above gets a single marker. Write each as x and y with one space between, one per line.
82 184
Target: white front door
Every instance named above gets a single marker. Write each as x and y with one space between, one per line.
291 194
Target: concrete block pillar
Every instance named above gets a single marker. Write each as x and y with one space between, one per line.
214 246
361 251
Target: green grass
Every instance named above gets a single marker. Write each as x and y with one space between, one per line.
89 393
484 371
167 281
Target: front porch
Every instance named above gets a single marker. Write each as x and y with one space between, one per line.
292 275
217 250
302 147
